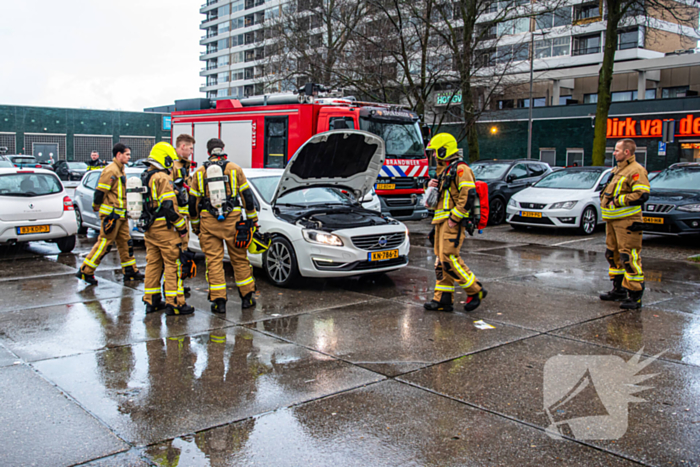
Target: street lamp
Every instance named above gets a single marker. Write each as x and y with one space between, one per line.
531 104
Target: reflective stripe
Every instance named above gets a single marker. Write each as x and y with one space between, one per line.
129 263
620 213
252 215
621 200
616 272
458 214
217 286
234 183
470 278
171 293
618 187
196 193
218 339
98 253
635 261
201 184
180 287
167 194
640 187
446 201
195 221
445 288
106 209
90 263
155 193
120 193
469 184
104 186
441 214
180 223
245 186
182 210
152 291
245 282
639 278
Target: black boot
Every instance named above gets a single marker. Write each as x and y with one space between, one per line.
445 303
177 310
130 274
617 294
219 305
156 305
248 301
89 278
634 301
186 290
473 301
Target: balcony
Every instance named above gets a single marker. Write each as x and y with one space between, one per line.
586 50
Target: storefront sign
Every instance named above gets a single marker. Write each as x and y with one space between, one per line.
167 123
650 128
662 148
443 97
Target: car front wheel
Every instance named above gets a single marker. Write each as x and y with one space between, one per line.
280 263
66 244
589 220
497 210
79 219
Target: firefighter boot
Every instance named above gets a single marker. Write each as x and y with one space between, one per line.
186 290
89 278
131 275
634 301
473 301
157 305
219 305
445 303
617 294
248 301
178 310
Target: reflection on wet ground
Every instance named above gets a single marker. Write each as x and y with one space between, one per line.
339 372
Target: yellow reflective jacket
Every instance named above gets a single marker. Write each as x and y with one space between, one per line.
621 198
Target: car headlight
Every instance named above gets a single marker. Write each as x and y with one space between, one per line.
563 205
323 238
689 208
512 202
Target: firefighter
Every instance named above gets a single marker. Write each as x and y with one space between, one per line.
216 226
621 203
110 201
165 230
184 145
457 192
94 163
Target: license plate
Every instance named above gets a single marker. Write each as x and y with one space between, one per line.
33 229
384 255
386 186
530 214
654 220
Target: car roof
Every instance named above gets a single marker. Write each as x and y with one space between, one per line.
684 164
256 173
19 155
8 170
585 169
507 161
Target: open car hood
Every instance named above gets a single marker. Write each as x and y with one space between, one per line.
350 159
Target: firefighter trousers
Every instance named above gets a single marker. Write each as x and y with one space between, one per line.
449 267
623 252
120 235
212 236
163 259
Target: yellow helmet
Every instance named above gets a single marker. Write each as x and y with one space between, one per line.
162 156
444 145
260 243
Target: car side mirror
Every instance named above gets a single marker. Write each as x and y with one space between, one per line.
510 178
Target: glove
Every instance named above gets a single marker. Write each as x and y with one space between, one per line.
244 234
95 208
109 223
182 232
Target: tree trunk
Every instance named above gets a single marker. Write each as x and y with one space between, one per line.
604 83
473 143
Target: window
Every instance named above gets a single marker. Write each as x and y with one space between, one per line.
628 39
505 104
341 123
91 180
223 10
222 44
552 47
564 99
588 11
574 157
553 19
223 60
222 27
237 5
678 91
519 171
222 93
514 26
620 96
548 155
222 78
537 169
515 52
538 102
584 45
237 40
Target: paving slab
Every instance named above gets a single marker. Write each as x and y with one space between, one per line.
7 358
164 388
55 290
130 458
40 426
371 426
509 380
655 331
61 330
661 270
27 268
109 261
389 337
475 243
687 304
544 254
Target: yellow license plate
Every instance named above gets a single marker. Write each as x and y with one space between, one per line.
384 255
530 214
33 229
654 220
386 186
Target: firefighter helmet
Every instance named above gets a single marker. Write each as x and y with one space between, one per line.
260 243
162 156
444 145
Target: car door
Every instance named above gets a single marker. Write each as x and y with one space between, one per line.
537 171
516 180
86 193
595 196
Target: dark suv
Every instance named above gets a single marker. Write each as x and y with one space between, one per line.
505 177
673 207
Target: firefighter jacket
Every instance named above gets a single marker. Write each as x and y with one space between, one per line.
626 192
456 179
181 182
162 201
236 187
110 193
94 165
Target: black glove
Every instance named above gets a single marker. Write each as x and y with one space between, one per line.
109 223
244 234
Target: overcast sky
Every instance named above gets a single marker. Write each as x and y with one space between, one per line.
115 54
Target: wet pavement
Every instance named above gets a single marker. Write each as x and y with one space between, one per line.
348 371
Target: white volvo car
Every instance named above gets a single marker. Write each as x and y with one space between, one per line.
34 206
568 198
311 209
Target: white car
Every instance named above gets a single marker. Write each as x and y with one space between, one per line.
310 208
35 207
568 198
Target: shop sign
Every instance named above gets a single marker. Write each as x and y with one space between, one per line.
662 148
443 97
626 127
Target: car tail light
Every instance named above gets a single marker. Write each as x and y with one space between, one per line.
25 171
38 166
67 204
15 165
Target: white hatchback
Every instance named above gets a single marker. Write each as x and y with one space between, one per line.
35 207
568 198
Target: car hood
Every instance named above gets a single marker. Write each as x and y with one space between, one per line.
344 158
550 195
673 196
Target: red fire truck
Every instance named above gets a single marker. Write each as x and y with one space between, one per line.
265 131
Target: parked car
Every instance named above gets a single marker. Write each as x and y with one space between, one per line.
21 162
5 162
653 175
673 207
568 198
35 207
505 178
70 171
310 208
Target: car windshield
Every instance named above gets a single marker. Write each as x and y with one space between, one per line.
266 186
77 165
489 171
680 178
402 140
24 160
29 184
4 163
570 179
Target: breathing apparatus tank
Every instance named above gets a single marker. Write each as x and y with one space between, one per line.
217 189
134 197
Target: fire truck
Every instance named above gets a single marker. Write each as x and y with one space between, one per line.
265 132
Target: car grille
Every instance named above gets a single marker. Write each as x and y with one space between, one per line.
399 202
373 242
532 220
532 205
658 208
